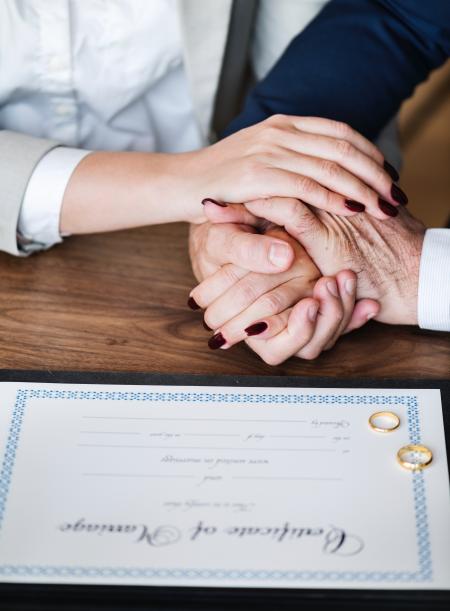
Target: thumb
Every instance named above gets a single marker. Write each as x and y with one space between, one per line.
364 310
292 214
237 244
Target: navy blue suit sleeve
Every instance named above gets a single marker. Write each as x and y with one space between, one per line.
355 62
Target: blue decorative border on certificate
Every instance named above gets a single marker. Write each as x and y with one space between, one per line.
423 573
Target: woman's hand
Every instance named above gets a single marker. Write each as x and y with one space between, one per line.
313 324
321 162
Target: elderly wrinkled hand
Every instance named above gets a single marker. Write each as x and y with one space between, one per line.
384 255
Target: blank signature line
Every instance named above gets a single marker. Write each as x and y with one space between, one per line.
101 445
211 434
107 433
138 475
322 479
297 436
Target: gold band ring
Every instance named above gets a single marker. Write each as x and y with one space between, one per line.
384 422
414 457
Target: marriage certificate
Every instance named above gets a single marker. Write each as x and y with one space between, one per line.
221 486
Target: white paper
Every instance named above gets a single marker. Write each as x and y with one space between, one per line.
210 486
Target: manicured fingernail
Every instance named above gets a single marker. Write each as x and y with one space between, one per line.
205 326
387 208
213 201
354 206
391 171
279 254
398 195
193 304
332 288
312 312
257 328
350 285
217 341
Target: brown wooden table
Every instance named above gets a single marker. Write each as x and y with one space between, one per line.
117 302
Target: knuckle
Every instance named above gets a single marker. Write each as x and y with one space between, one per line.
276 119
344 148
271 358
305 185
271 133
244 254
269 157
301 223
330 345
257 253
343 129
369 196
330 168
377 154
329 199
229 274
379 174
247 293
309 353
382 178
272 303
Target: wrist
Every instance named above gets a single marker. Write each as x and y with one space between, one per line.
400 301
179 185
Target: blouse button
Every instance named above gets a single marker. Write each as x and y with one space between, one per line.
64 110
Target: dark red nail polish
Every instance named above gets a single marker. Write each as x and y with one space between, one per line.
257 328
205 326
213 201
391 171
387 208
398 195
217 341
193 304
354 206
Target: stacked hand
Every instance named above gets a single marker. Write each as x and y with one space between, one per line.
285 277
293 312
324 163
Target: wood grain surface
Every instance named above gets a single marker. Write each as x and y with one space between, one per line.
117 302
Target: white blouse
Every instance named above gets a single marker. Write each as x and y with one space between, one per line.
98 75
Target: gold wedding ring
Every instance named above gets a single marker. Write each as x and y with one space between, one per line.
384 422
414 457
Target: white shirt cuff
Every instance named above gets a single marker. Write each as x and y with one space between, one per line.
434 281
38 226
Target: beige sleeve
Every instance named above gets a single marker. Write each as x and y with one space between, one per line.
19 155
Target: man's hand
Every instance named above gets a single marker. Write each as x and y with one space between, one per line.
211 246
384 255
